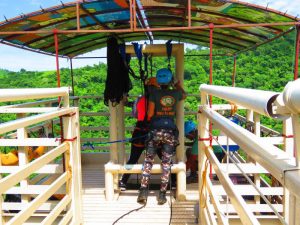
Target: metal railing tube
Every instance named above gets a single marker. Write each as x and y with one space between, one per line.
257 100
7 95
276 161
291 96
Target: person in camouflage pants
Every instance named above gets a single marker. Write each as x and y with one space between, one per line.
163 131
160 139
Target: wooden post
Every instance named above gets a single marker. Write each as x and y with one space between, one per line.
249 117
180 154
73 164
203 127
113 133
294 203
113 136
288 146
256 119
121 132
109 183
179 57
23 158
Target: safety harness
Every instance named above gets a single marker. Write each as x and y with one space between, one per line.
117 83
169 48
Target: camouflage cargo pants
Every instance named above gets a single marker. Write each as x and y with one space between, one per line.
159 139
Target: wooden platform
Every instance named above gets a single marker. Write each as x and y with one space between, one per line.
96 210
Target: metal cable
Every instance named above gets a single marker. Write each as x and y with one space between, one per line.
251 182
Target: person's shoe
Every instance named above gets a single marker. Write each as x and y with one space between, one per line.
162 199
122 186
143 195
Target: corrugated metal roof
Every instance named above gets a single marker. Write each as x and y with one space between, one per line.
157 14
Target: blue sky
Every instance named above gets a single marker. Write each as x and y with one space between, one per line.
15 59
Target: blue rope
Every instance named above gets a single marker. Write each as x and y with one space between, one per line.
138 51
91 144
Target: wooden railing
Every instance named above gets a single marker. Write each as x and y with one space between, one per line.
264 157
50 185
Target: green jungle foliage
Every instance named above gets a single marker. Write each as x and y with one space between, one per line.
268 67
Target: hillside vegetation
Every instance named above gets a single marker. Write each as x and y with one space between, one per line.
268 67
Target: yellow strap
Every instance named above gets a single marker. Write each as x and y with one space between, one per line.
203 187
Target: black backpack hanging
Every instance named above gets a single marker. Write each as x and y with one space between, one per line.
117 82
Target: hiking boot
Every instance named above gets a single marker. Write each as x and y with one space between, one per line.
143 195
162 199
122 186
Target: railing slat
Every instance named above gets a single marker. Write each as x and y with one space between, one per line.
30 168
47 169
30 142
31 189
57 210
24 122
237 201
32 206
66 218
28 110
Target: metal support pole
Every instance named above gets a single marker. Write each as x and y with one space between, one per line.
56 56
131 16
72 77
58 85
78 14
189 14
234 71
297 53
134 15
211 32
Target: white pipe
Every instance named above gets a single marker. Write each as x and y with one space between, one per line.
137 168
257 100
27 121
7 95
291 96
276 161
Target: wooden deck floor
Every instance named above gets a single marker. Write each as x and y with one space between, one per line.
96 210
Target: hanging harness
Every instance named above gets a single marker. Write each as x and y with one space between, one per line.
169 48
139 54
117 83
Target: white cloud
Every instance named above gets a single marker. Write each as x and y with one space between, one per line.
15 59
